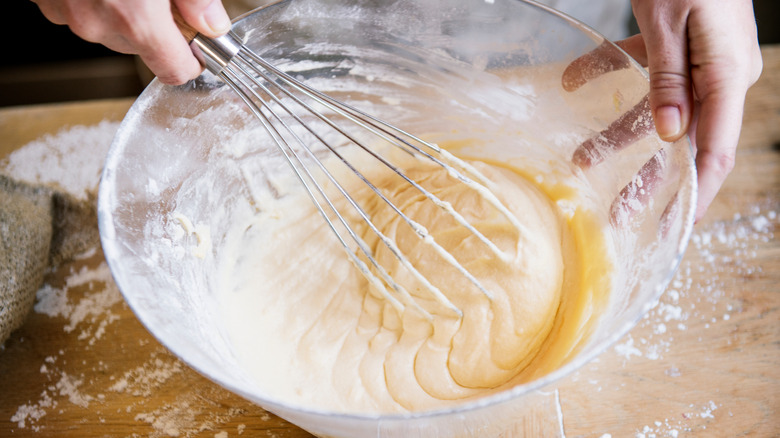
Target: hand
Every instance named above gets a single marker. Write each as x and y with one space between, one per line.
142 27
702 56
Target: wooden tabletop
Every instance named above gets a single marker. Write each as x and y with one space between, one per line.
704 363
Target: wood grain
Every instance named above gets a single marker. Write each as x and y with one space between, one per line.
705 362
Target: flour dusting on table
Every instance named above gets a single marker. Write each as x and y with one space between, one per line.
72 159
85 303
723 251
697 291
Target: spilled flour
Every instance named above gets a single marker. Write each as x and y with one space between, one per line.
83 302
87 302
674 427
88 305
699 298
52 158
66 388
736 241
94 308
143 380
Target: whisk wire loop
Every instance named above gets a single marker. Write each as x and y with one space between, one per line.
394 136
420 230
240 84
311 186
251 77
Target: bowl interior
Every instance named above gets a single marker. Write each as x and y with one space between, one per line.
486 75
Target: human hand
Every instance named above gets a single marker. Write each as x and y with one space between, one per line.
143 27
702 57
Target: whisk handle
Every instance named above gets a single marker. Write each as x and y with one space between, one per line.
213 53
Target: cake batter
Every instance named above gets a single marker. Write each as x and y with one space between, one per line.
311 330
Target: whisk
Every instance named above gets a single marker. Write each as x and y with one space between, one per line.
281 102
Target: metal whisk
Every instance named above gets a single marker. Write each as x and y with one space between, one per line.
281 102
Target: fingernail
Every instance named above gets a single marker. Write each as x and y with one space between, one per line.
668 122
216 17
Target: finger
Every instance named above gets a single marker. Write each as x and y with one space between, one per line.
155 37
669 216
724 66
665 38
635 47
206 16
52 10
601 60
171 59
98 23
638 193
717 135
632 126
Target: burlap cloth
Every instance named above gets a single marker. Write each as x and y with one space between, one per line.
40 227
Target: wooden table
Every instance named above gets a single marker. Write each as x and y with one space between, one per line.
705 362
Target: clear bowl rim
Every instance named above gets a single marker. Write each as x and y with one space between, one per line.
104 223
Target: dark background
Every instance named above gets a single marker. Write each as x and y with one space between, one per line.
44 62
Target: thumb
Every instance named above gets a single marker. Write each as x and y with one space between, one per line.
671 96
207 16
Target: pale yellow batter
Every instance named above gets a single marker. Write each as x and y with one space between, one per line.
310 330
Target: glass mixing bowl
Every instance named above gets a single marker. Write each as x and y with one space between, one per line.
483 73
